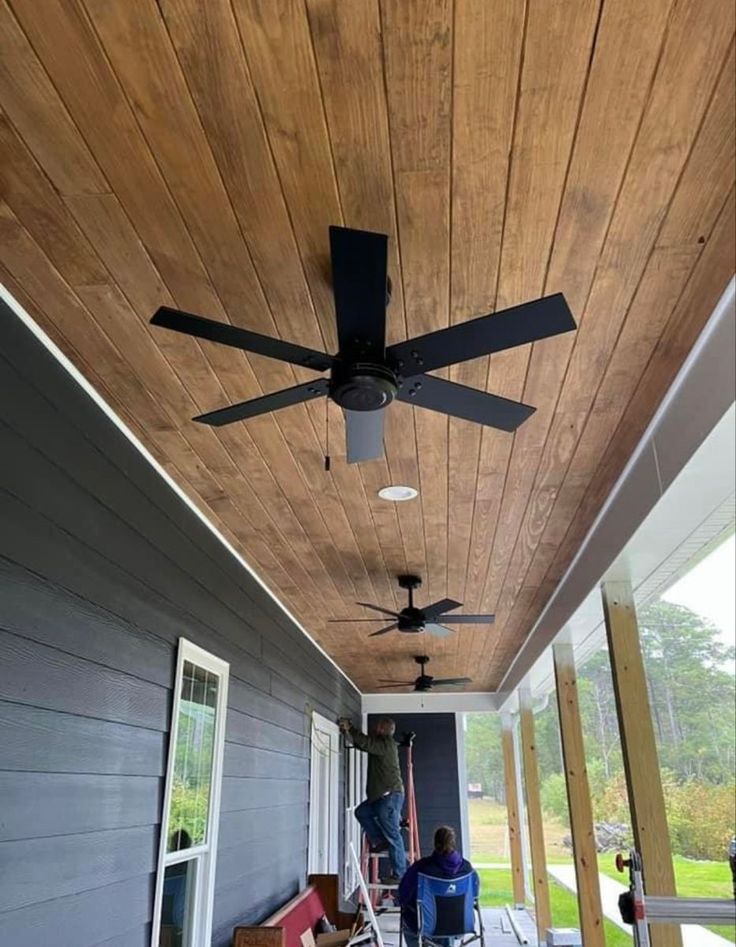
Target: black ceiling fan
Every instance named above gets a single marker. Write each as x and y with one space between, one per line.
365 375
425 682
413 620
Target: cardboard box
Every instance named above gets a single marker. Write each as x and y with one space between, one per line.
335 939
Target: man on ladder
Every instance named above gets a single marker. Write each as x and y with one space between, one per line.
380 814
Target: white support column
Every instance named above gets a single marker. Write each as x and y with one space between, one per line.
462 779
512 808
523 833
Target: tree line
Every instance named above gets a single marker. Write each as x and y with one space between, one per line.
691 685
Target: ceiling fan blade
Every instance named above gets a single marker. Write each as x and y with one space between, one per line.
359 280
438 631
393 683
529 322
459 401
451 681
377 608
364 435
383 687
383 631
265 404
439 608
343 621
239 338
468 619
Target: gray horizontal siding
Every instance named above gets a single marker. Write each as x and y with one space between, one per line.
91 917
33 870
40 740
102 569
36 805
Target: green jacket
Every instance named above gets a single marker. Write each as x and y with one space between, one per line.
384 772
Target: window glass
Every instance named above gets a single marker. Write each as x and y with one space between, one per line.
190 797
184 892
177 904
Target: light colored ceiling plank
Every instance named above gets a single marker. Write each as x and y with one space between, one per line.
487 39
208 179
711 274
347 45
628 41
208 47
37 111
218 78
544 132
278 48
136 40
417 43
544 127
662 148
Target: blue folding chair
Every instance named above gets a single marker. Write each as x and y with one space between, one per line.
447 910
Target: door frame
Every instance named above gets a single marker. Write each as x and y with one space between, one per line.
323 855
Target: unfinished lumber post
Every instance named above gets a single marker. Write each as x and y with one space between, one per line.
578 798
512 809
639 748
542 909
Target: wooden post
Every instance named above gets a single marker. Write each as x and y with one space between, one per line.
542 908
512 808
578 798
641 765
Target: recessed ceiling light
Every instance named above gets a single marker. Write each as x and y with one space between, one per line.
397 494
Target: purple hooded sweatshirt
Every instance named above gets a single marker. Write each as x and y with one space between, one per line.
435 865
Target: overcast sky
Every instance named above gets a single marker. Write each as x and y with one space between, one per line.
710 590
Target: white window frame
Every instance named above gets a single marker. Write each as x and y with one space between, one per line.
357 769
322 855
204 856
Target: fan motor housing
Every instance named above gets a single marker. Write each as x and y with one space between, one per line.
363 386
411 619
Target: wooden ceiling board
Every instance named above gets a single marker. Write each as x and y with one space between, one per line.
189 154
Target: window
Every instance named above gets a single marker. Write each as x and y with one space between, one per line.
188 847
357 769
324 787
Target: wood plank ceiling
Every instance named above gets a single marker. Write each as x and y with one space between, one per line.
193 154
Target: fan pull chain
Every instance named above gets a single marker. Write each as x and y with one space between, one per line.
327 434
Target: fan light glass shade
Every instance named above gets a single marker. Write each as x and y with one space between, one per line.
397 494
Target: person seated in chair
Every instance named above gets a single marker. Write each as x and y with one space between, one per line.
444 862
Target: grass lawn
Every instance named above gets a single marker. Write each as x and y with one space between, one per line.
496 891
695 879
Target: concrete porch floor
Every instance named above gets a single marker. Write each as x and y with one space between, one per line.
498 932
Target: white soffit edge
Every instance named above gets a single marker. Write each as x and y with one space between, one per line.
79 378
676 486
436 702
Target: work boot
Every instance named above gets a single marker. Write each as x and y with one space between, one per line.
378 847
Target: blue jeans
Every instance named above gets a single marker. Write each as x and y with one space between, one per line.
381 821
